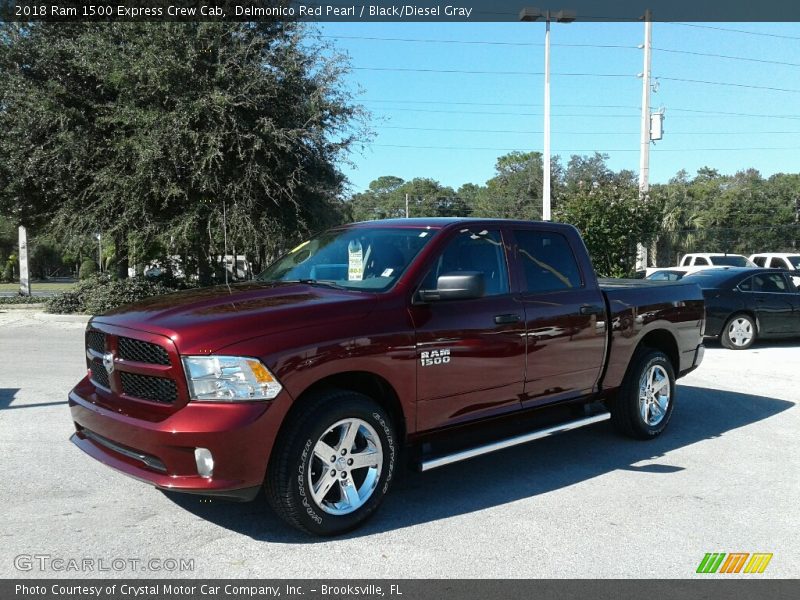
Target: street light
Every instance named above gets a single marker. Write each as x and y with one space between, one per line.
561 16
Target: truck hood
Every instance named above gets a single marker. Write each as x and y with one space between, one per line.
205 320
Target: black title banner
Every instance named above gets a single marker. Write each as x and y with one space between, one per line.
464 11
400 589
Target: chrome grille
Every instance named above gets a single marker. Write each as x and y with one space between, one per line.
156 389
139 351
96 340
99 373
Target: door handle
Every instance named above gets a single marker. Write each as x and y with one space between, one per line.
592 310
505 319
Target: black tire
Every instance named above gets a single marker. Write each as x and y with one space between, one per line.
725 338
625 407
293 464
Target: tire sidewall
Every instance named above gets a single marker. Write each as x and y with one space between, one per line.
726 340
313 517
660 359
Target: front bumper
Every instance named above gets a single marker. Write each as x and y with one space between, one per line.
161 453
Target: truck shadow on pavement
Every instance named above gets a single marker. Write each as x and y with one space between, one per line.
7 397
520 472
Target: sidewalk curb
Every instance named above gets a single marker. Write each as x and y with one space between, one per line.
40 316
36 306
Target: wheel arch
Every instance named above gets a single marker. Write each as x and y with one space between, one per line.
368 383
664 341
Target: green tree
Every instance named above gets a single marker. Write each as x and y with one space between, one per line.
157 129
612 220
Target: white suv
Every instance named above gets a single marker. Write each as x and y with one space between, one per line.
780 260
715 259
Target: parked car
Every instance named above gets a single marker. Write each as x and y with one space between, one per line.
780 260
374 344
744 304
667 274
715 259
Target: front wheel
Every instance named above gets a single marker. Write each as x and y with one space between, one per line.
333 466
739 332
644 403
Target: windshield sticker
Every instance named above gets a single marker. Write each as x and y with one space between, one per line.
355 269
423 234
387 272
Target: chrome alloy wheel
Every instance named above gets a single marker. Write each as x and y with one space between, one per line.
654 391
346 466
740 331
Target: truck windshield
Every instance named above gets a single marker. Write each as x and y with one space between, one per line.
359 258
794 261
731 260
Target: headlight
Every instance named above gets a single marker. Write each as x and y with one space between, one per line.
229 379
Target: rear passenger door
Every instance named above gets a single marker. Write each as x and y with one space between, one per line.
564 318
774 301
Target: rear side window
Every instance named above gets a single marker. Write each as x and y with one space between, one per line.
685 261
547 261
760 260
701 261
770 282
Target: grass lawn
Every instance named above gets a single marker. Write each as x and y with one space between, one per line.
44 286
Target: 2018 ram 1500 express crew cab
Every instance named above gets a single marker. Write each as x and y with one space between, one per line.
432 340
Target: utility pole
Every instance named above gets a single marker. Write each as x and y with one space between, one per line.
644 146
24 274
406 206
546 171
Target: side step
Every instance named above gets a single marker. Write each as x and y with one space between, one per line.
434 463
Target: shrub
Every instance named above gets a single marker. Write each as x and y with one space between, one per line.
8 273
20 300
88 269
101 294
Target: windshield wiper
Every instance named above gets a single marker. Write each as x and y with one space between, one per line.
322 282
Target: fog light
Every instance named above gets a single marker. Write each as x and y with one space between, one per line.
205 462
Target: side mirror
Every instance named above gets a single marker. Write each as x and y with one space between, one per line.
464 285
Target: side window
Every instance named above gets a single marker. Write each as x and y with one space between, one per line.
685 261
547 261
473 251
770 282
783 263
761 261
701 261
746 285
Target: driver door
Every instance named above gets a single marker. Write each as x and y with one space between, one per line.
470 353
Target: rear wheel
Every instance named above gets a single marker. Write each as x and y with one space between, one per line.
643 405
739 332
332 467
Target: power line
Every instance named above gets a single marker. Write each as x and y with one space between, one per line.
450 129
524 104
591 150
471 72
729 57
730 30
730 84
529 104
485 112
472 42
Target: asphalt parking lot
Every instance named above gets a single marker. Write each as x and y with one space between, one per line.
723 478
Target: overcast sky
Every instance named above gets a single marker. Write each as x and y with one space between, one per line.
451 126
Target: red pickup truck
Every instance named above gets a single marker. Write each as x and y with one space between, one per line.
421 341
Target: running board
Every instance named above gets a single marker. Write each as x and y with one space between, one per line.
434 463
